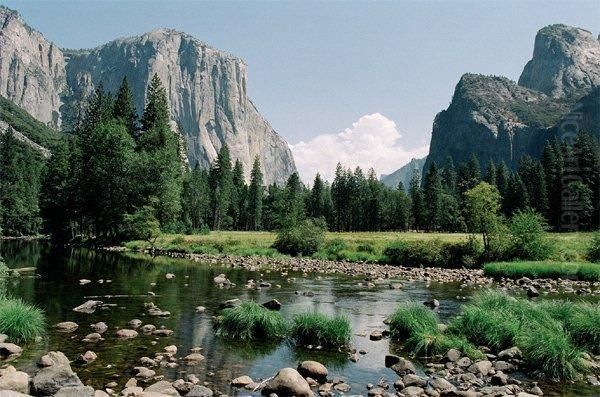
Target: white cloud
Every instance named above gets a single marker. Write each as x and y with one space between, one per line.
373 141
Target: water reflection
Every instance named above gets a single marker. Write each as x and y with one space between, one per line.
129 281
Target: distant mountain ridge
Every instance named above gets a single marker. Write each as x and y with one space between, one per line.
404 174
206 87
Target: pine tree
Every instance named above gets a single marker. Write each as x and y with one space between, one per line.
289 209
490 174
156 112
372 211
196 199
316 200
433 191
340 196
417 201
516 197
124 109
533 178
255 197
587 153
238 196
100 110
473 171
221 184
159 169
449 176
552 164
502 178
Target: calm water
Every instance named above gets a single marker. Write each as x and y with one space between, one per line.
56 289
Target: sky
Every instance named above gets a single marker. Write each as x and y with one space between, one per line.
352 81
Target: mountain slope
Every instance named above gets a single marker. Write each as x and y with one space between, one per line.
565 63
404 174
494 118
207 89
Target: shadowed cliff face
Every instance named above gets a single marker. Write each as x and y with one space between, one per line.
495 118
206 87
565 63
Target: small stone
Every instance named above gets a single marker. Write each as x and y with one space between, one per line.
66 326
273 304
376 335
242 381
391 359
87 357
433 303
126 333
453 355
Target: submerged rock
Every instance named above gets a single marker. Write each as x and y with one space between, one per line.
88 307
66 326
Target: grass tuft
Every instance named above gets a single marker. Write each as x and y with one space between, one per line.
20 321
251 321
551 353
585 271
412 317
320 329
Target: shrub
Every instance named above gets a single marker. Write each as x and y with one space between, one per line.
142 225
528 232
4 270
466 254
178 240
593 252
20 321
335 246
416 253
305 238
319 329
251 321
411 317
365 247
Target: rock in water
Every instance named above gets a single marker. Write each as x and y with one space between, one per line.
208 95
313 369
288 382
11 379
565 63
49 380
88 307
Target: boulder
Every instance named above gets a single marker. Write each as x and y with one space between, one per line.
200 391
404 367
11 379
88 307
482 367
126 333
313 369
49 380
92 338
513 352
144 373
391 359
75 391
376 335
442 385
413 391
87 357
53 358
66 326
193 359
453 355
162 387
288 382
100 327
9 351
241 381
273 304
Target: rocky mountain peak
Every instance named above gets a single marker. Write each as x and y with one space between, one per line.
565 63
206 88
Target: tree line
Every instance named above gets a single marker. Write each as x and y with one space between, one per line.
117 171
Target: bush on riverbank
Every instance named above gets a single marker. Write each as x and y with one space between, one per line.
304 238
593 251
435 253
251 321
20 321
580 270
321 330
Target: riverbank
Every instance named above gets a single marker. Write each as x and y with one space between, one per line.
353 247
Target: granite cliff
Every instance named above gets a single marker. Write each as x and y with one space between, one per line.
207 89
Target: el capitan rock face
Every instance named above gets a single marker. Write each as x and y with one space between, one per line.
207 89
32 69
565 63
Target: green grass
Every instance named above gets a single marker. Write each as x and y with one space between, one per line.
20 321
251 321
353 247
411 317
551 353
321 330
417 326
585 271
551 335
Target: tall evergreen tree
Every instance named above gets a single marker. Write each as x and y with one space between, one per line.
433 191
221 184
124 109
502 178
255 197
238 196
417 201
490 173
553 170
516 196
316 200
196 199
99 110
449 176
